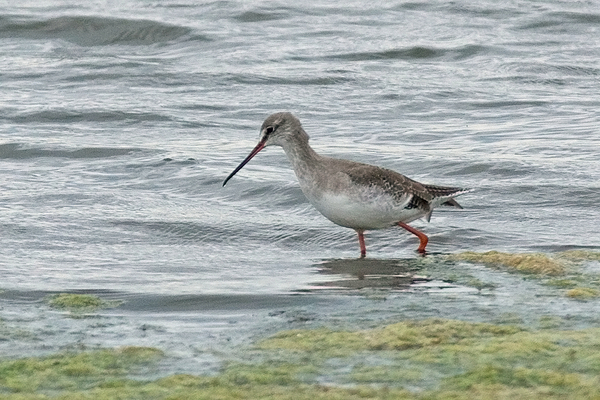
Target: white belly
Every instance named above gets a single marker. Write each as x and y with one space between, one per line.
373 213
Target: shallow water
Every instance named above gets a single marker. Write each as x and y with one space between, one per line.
118 126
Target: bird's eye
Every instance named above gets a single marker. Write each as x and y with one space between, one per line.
269 130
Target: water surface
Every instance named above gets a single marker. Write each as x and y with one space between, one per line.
118 125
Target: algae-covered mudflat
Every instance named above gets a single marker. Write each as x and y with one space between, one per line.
428 359
464 326
128 271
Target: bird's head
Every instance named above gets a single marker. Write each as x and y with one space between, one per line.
277 129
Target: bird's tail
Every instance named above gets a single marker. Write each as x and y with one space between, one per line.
444 196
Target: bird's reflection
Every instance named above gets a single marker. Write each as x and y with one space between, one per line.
369 273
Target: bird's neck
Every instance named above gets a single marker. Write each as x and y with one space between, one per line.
305 161
299 152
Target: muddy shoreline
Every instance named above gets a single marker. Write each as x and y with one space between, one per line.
202 335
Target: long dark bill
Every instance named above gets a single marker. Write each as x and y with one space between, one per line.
259 147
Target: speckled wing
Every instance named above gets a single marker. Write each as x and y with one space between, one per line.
403 189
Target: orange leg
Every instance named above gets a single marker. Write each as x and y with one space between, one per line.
361 242
422 237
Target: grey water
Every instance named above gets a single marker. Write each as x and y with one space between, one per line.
120 120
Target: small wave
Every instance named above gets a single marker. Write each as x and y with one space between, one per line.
562 19
577 70
94 31
203 232
151 302
411 53
178 232
528 80
65 116
180 303
508 103
277 80
577 17
400 54
16 151
258 16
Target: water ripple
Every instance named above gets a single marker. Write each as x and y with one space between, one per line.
60 115
412 53
93 31
16 151
259 16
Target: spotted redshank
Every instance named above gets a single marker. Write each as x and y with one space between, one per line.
351 194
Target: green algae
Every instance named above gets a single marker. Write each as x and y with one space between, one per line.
480 285
68 371
434 358
550 322
386 374
562 283
470 358
534 263
399 336
9 332
583 293
102 374
560 270
534 383
79 303
579 255
321 341
529 263
509 318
